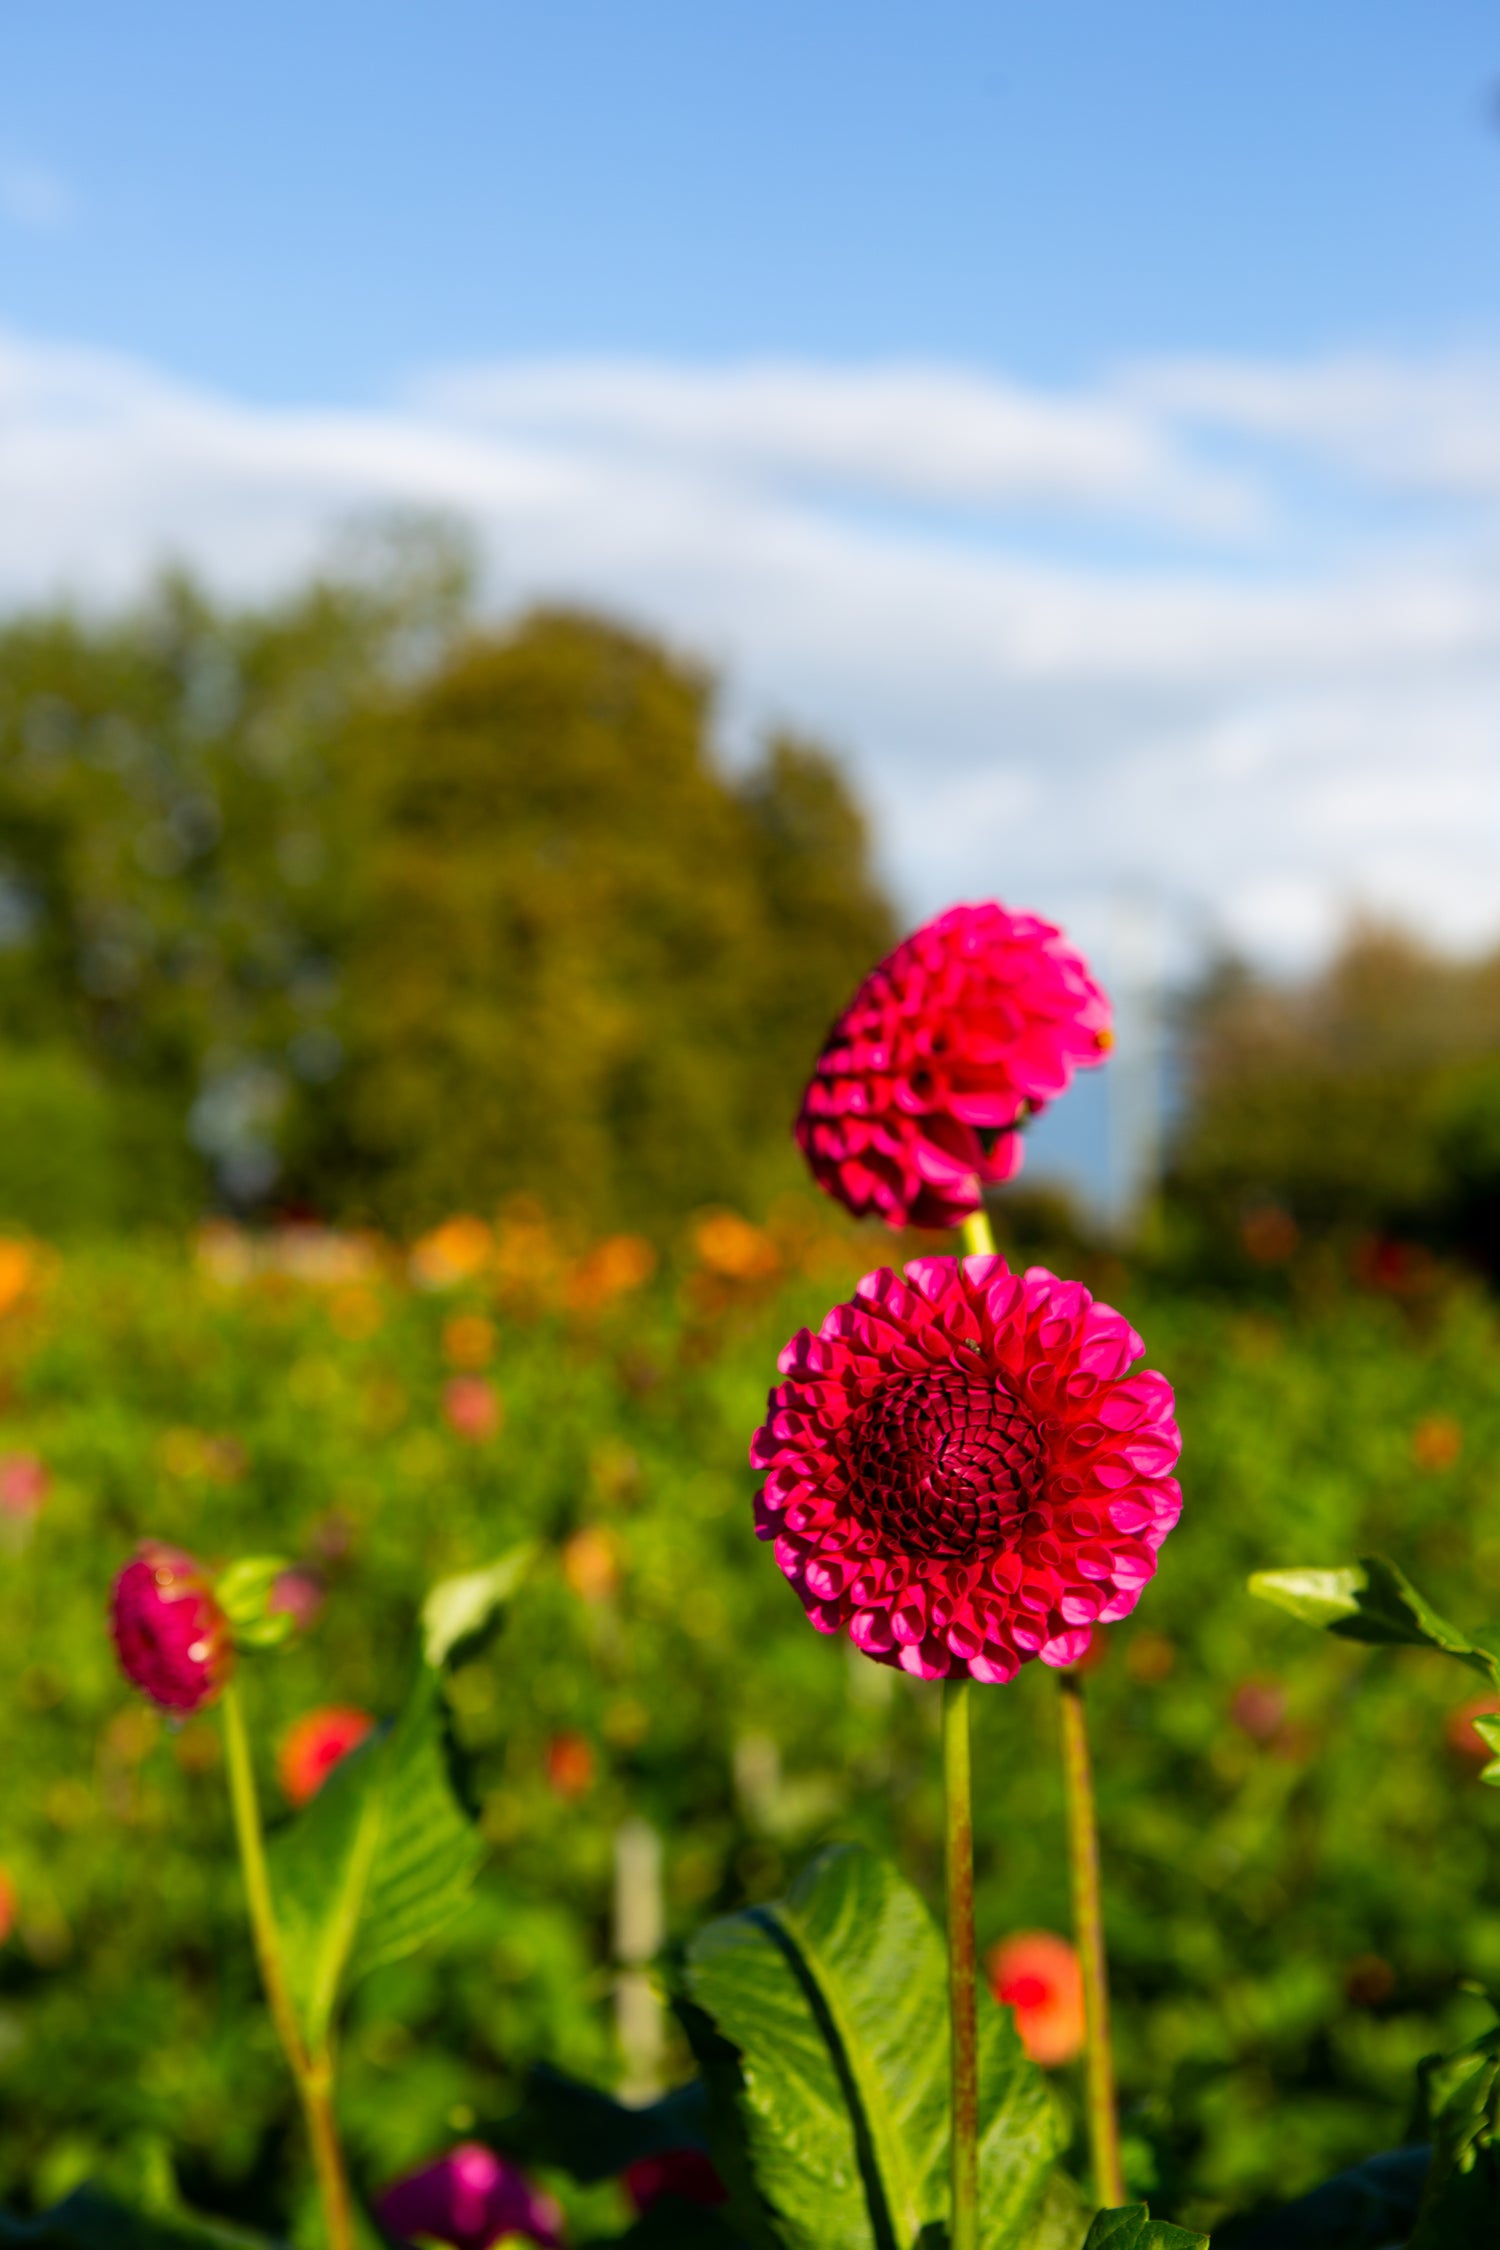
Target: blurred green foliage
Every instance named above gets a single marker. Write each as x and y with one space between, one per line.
1363 1101
1301 1865
345 904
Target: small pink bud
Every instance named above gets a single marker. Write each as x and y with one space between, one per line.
300 1592
171 1636
471 1407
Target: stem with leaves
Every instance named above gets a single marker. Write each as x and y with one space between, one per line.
313 2073
1088 1930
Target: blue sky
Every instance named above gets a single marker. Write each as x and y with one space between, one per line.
307 201
1085 417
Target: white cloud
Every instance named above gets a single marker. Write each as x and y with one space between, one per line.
1067 652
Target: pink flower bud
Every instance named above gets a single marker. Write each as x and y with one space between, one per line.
171 1636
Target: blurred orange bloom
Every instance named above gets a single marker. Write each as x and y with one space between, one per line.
313 1745
570 1765
1037 1974
1436 1442
468 1340
729 1245
611 1269
451 1253
591 1563
471 1407
17 1267
9 1903
1460 1732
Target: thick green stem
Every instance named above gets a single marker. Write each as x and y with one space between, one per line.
1088 1931
979 1235
964 2141
313 2072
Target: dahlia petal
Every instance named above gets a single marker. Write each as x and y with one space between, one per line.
924 1662
870 1629
994 1669
1067 1648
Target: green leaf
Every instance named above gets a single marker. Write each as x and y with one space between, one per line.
385 1854
1133 2228
1372 1601
828 2014
1461 2206
459 1611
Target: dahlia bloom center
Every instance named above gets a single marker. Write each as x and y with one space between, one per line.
948 1464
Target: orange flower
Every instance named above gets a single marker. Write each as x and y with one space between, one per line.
591 1564
1462 1735
471 1407
1037 1974
1436 1442
729 1245
570 1765
457 1250
468 1340
313 1745
9 1903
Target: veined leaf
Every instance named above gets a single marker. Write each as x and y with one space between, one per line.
833 2005
385 1853
1372 1601
1461 2204
1133 2228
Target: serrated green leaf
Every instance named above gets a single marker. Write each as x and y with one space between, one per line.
385 1854
1371 1601
1133 2228
834 2003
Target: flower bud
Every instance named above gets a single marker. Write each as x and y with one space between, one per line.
171 1636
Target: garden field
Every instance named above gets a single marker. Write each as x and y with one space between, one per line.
1300 1862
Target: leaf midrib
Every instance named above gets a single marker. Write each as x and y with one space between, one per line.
902 2202
342 1924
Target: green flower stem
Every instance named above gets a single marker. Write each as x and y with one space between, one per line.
964 2141
1088 1930
313 2072
979 1235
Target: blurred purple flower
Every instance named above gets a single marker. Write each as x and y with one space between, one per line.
470 2198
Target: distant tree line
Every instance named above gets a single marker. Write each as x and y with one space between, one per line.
353 905
1357 1104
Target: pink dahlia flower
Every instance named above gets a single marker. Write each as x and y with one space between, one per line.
962 1471
171 1636
973 1024
469 2198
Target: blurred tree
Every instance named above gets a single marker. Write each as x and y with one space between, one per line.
349 910
1366 1098
586 964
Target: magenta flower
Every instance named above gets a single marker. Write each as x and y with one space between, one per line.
172 1638
973 1024
470 2198
962 1470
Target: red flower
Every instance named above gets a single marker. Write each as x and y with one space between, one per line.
471 1407
962 1470
570 1765
25 1481
683 2172
172 1638
313 1745
973 1024
1038 1975
469 2198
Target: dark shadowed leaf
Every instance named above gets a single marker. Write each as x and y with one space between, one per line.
1461 2204
828 2015
1366 2208
573 2128
89 2220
